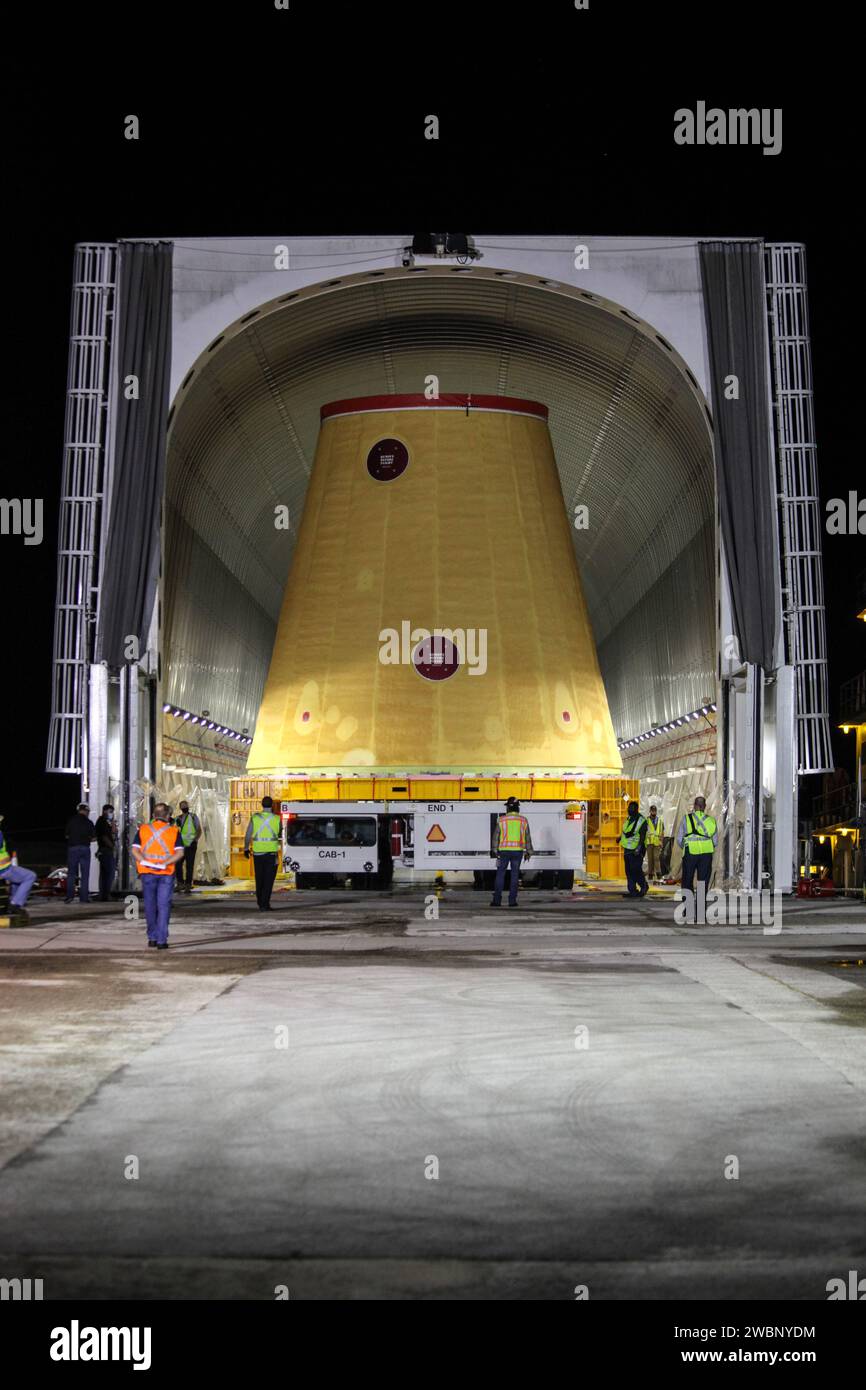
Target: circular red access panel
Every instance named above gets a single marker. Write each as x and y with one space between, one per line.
436 658
387 460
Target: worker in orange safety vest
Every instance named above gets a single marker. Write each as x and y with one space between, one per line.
156 851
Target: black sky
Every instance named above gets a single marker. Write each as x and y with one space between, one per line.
257 121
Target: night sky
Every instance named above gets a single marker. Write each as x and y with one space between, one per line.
256 121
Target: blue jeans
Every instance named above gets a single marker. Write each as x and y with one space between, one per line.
512 857
23 880
157 890
78 861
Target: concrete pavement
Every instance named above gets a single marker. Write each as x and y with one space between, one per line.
354 1100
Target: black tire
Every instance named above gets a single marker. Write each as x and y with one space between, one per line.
565 878
547 878
308 880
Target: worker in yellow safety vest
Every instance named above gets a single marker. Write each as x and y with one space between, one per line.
697 839
633 839
20 881
189 828
511 843
156 851
263 840
655 834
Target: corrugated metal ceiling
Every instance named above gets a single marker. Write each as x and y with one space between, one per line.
628 422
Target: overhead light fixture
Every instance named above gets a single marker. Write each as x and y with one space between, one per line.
441 244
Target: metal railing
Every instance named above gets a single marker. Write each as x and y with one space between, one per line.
78 541
835 807
800 516
852 700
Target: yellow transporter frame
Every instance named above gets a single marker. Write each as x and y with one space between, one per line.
606 799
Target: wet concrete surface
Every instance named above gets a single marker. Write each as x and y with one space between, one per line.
360 1101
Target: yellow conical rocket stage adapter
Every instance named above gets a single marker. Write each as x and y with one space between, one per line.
434 619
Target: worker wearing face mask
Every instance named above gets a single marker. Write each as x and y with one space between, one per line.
189 833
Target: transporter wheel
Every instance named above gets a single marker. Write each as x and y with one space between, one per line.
565 878
547 878
314 880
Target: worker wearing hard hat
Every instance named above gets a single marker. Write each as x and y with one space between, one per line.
633 840
156 851
697 838
511 843
20 880
655 834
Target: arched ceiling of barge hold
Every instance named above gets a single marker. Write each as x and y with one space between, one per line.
629 425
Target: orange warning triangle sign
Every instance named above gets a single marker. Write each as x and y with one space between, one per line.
436 833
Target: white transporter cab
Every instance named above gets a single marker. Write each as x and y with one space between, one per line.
375 838
330 838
